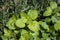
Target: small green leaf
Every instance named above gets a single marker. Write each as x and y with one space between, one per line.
58 14
35 34
24 35
36 38
12 39
34 26
16 31
53 5
10 23
29 20
40 22
19 23
24 32
22 38
54 19
45 35
57 25
7 33
45 26
24 20
23 14
48 20
4 38
33 14
48 12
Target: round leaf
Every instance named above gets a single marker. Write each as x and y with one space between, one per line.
19 23
48 12
34 26
33 14
53 5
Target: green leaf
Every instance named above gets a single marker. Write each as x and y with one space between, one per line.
10 23
33 14
45 26
22 38
24 20
48 12
23 14
53 5
4 38
54 19
24 32
57 25
40 22
36 38
16 31
35 34
45 35
24 35
19 23
48 38
7 33
23 17
12 39
34 26
48 20
29 20
58 14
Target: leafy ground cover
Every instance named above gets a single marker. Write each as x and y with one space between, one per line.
29 20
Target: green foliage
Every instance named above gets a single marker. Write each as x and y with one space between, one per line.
58 14
33 14
53 5
48 12
23 15
34 26
29 20
57 25
20 23
10 23
54 19
45 36
47 20
7 33
24 35
45 26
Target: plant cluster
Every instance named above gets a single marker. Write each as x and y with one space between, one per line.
32 23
